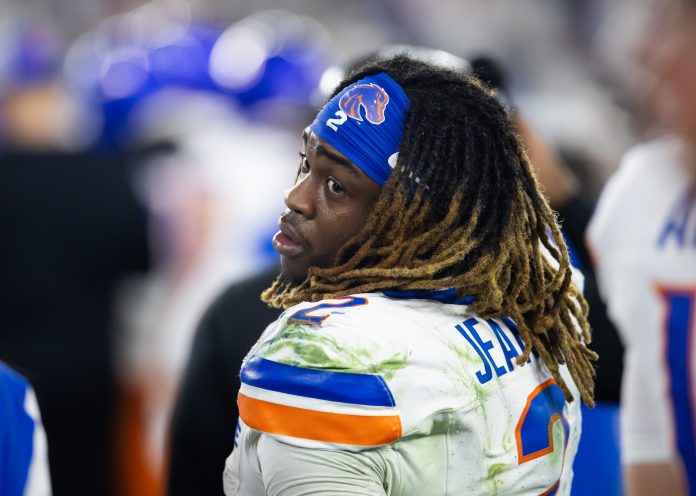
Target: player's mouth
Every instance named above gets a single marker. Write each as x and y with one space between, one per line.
287 241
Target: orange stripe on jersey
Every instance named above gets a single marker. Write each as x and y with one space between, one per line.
358 430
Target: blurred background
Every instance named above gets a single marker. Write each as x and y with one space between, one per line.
144 151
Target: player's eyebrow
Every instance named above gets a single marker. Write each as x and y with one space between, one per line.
339 159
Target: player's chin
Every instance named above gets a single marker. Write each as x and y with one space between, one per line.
293 270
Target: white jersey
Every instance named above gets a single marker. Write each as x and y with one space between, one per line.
643 236
375 394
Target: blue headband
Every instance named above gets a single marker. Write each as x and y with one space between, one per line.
365 122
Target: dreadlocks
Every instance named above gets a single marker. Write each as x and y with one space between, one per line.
462 209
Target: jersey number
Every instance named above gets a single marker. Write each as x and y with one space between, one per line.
305 316
339 120
534 432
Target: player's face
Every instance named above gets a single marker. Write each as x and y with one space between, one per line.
672 62
328 204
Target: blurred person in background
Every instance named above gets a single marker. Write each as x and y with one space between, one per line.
37 111
23 453
643 234
72 230
229 100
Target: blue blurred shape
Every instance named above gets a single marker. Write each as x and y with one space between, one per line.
271 55
269 58
184 61
598 465
31 52
124 73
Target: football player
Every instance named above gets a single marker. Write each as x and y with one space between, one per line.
434 337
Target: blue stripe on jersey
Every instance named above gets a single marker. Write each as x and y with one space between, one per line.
545 406
16 433
679 328
442 295
573 257
344 387
572 254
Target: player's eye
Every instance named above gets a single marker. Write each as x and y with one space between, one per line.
335 187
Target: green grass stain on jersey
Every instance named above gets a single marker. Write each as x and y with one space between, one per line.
303 346
464 353
461 369
496 469
509 440
556 456
441 424
493 476
460 372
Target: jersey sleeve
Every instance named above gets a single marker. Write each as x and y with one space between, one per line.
23 441
645 437
294 471
319 379
38 477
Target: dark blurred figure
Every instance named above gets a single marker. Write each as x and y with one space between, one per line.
204 424
71 229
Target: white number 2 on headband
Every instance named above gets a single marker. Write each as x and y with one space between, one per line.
340 118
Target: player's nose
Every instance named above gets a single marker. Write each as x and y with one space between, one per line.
299 198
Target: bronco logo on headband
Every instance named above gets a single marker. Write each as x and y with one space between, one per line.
369 96
376 99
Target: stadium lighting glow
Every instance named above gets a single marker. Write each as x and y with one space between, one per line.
238 57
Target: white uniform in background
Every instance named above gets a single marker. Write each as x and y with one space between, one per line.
376 395
643 235
215 207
